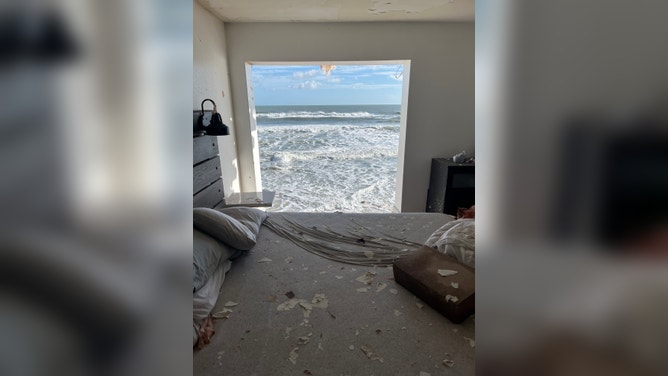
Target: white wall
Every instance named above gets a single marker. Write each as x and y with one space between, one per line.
211 80
440 118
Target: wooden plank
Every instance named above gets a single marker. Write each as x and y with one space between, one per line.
204 147
210 196
206 173
250 199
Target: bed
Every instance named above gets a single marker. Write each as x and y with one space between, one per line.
344 238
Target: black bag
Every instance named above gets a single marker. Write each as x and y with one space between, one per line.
210 122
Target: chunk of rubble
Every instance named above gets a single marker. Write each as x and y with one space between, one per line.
380 286
451 298
289 304
448 363
367 278
370 354
304 339
446 272
224 314
454 285
292 357
231 304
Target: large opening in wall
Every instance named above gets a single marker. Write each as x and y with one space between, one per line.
330 134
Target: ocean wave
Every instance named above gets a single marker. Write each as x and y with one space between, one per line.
325 115
282 158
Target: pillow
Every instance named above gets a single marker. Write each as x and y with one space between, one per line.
208 253
239 233
249 217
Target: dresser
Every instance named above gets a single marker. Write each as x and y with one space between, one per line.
451 186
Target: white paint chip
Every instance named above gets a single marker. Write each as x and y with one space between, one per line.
454 285
451 298
292 357
231 304
380 286
446 272
265 259
224 314
448 363
339 277
471 341
397 312
370 354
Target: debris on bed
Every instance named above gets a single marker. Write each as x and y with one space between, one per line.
290 294
394 291
370 354
367 278
378 331
368 254
471 341
351 347
448 363
264 259
363 289
288 259
304 339
224 314
287 332
292 357
339 277
397 312
446 272
454 285
423 373
289 304
231 304
380 286
419 305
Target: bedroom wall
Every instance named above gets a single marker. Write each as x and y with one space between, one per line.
211 80
440 118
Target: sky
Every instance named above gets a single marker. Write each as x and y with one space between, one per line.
310 85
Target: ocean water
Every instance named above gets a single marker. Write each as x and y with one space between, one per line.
329 158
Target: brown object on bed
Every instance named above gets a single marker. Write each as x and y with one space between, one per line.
452 295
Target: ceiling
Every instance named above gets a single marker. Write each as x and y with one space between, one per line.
340 10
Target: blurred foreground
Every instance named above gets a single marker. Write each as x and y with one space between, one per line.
572 200
95 166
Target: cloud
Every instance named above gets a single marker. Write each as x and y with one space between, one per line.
310 73
307 85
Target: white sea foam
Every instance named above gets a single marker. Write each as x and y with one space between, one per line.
330 165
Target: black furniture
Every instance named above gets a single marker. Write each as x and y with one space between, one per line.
451 186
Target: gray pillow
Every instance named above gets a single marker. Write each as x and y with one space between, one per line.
249 217
237 227
208 253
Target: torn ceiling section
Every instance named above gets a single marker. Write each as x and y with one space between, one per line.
341 10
